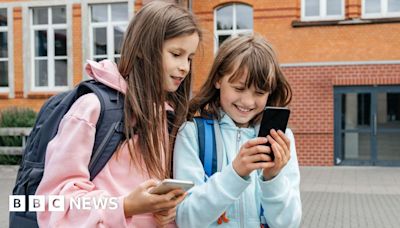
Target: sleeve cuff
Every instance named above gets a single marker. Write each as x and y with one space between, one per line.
274 187
116 217
234 184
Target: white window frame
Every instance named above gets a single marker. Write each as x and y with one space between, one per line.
6 89
50 50
322 12
233 31
384 11
109 25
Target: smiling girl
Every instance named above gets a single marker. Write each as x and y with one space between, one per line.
244 78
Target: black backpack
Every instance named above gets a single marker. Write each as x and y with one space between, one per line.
109 133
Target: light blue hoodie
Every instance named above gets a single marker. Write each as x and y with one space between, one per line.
227 191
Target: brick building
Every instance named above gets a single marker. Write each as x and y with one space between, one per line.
342 58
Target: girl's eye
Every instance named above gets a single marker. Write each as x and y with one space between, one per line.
239 89
175 54
260 93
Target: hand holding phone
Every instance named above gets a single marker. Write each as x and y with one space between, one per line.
168 185
273 118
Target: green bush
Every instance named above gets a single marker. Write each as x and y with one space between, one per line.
17 117
14 117
10 159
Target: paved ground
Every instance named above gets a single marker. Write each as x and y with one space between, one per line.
333 197
350 197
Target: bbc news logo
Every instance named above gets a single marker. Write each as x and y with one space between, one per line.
17 203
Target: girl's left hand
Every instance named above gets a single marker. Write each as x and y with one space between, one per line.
280 145
163 218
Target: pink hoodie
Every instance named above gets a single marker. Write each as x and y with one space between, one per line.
67 158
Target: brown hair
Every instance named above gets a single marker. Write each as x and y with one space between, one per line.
249 52
141 65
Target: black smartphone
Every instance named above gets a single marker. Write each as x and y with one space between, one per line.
273 118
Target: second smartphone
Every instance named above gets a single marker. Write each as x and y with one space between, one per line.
273 118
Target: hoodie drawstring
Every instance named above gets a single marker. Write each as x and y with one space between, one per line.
222 218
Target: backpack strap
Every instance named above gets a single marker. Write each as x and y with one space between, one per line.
110 126
218 144
207 151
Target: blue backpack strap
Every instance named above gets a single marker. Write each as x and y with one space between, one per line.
207 147
110 126
263 221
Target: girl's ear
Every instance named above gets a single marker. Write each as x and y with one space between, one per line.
218 84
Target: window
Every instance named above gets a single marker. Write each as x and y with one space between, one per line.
108 23
314 10
49 42
232 19
381 8
3 50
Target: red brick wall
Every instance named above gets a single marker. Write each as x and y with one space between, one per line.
312 119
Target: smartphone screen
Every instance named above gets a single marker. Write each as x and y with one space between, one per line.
168 185
273 118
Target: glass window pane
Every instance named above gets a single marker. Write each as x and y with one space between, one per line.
312 8
99 13
225 18
116 59
372 6
388 110
41 43
334 7
394 6
356 111
388 146
60 72
41 78
3 45
40 16
118 36
60 42
3 74
59 15
119 12
3 17
222 38
100 41
357 145
244 17
388 118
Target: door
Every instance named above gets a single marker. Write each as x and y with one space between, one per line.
367 125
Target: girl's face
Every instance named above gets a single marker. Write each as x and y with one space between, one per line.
240 103
177 54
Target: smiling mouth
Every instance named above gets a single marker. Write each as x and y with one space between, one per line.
177 78
243 109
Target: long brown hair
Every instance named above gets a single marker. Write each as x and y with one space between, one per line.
249 52
141 65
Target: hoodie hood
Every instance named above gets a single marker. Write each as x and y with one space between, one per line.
106 72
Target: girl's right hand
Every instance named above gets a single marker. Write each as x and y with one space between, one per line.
252 155
140 201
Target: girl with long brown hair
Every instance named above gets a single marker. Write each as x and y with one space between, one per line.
154 73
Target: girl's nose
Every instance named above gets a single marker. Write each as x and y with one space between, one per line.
248 98
184 67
